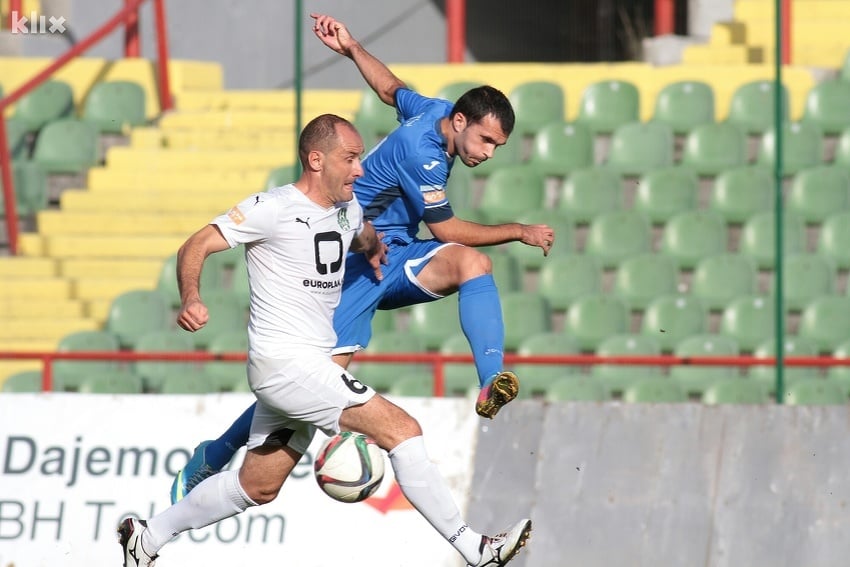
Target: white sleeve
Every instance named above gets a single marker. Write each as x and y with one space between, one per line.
252 220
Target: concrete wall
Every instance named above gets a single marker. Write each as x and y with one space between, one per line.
668 485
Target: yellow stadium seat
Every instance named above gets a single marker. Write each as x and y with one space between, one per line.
132 267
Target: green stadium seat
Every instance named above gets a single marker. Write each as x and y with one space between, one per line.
373 118
607 105
454 91
793 346
802 147
460 186
750 320
717 280
226 312
115 106
815 392
66 146
225 375
670 319
842 149
382 375
617 377
191 380
30 181
759 234
23 382
524 314
691 236
735 391
577 389
588 192
715 147
656 389
507 271
509 154
665 192
840 374
154 373
593 318
536 104
833 238
640 147
806 277
640 279
212 277
818 192
433 320
48 102
420 385
116 381
136 313
617 235
536 378
16 138
512 191
828 106
751 106
563 279
741 192
695 380
68 373
560 148
280 176
460 378
826 322
531 257
684 105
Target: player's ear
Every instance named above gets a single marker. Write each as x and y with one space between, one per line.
316 160
458 122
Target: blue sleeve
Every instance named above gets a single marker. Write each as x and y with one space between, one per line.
409 103
423 180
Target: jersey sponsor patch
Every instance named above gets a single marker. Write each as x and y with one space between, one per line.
236 215
430 194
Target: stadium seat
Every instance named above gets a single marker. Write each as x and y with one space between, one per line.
758 238
802 147
23 382
741 192
280 176
460 378
806 277
512 191
684 105
382 375
136 313
373 118
50 101
815 392
563 279
16 136
226 312
536 378
664 192
670 319
117 381
694 379
691 236
833 238
433 320
30 182
640 279
607 105
531 257
589 192
841 374
818 192
560 148
536 103
418 385
508 155
826 322
67 373
212 277
617 235
828 106
616 377
190 380
752 106
793 346
460 187
655 389
115 106
593 318
735 391
842 149
507 271
154 373
719 279
227 375
576 389
715 147
524 314
454 91
749 319
66 146
640 147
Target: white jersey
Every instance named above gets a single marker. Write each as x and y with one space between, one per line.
295 251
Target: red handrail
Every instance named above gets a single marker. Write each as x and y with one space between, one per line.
436 359
124 16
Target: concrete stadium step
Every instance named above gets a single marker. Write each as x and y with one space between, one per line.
100 247
98 309
243 119
108 288
45 328
55 222
152 138
18 266
131 268
27 345
34 287
244 179
213 203
17 307
312 100
134 159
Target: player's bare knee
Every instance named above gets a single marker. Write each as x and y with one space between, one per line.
474 264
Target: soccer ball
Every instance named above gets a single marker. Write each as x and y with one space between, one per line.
349 467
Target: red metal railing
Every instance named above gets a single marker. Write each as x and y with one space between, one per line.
127 16
438 361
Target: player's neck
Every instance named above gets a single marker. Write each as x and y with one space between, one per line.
314 194
448 135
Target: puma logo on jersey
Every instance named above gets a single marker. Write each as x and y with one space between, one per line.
431 165
303 221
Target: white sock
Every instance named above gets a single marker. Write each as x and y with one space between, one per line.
425 488
216 498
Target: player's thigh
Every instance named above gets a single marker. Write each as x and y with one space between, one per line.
382 420
451 266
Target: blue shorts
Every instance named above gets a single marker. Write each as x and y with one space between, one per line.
362 293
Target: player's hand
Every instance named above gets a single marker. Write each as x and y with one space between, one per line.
332 33
378 256
193 315
540 235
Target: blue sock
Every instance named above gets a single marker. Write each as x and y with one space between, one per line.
219 452
481 321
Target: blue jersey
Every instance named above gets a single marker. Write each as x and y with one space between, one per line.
404 176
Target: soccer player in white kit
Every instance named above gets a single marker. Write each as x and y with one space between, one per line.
296 238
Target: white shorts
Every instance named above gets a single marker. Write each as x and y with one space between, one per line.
296 396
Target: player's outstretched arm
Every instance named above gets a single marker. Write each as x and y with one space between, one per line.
190 261
370 244
335 35
474 234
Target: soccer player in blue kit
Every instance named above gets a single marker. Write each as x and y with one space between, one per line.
404 184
